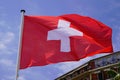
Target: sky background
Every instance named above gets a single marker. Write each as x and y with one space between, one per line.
106 11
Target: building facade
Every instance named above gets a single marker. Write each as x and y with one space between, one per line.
96 69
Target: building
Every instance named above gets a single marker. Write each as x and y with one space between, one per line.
96 69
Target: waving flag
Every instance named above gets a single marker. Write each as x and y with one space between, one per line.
52 39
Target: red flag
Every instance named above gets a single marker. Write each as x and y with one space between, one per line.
53 39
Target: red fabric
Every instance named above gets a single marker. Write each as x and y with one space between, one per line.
36 50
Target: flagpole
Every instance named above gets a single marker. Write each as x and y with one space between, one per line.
19 46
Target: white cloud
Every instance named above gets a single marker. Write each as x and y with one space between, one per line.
21 78
5 39
7 63
2 46
36 75
8 37
8 67
3 24
8 77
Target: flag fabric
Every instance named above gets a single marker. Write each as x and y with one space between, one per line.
52 39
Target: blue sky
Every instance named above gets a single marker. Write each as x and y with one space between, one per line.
106 11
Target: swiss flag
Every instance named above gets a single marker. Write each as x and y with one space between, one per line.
53 39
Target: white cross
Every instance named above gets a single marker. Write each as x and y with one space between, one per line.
63 32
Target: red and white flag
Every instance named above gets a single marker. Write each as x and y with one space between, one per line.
53 39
